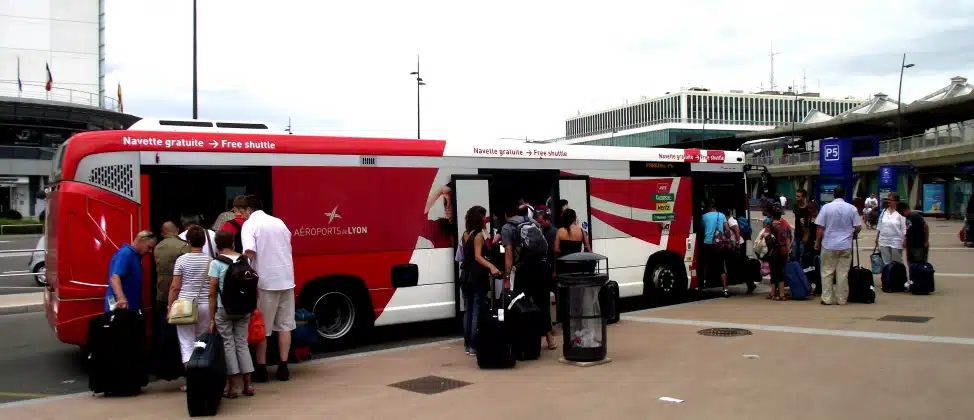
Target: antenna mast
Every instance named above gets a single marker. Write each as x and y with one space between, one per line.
772 65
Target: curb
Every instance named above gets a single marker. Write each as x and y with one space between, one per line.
21 309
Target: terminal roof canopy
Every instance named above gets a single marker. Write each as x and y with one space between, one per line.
958 87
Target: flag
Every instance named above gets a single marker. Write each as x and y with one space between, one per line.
20 85
120 107
50 80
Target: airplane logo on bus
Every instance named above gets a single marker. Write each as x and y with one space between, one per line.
333 215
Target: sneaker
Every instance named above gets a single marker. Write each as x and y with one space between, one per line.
726 293
751 287
260 373
282 373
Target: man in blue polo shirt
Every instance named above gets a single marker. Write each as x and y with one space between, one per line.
125 273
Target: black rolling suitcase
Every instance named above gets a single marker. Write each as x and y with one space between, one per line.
862 289
921 276
206 376
527 324
116 353
609 301
495 338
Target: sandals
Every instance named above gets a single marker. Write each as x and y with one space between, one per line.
230 395
249 391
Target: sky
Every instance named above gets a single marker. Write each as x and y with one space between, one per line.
508 69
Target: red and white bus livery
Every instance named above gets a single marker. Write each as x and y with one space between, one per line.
366 213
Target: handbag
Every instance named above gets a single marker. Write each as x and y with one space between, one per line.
876 261
256 332
185 311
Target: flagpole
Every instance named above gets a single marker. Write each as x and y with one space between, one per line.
195 90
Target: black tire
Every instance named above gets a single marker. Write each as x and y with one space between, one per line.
343 311
664 281
39 277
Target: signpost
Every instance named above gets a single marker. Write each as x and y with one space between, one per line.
835 168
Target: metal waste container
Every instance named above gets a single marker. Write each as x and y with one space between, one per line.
581 277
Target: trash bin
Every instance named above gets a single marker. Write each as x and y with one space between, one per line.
581 277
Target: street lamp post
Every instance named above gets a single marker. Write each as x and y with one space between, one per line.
794 118
703 128
899 99
195 91
419 82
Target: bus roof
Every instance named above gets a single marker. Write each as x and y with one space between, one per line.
88 143
204 126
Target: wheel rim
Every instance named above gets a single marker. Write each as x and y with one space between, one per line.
663 279
335 315
41 275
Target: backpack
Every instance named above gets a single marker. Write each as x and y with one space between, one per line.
237 242
239 291
744 224
531 242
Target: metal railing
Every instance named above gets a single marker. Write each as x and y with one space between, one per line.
953 134
703 124
33 90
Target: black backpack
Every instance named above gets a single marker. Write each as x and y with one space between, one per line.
239 291
531 243
237 242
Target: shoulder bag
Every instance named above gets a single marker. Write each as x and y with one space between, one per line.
186 311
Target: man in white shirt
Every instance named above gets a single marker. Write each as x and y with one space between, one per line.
267 243
838 225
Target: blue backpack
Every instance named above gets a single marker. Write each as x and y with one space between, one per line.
744 224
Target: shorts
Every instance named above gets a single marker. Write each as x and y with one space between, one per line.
277 308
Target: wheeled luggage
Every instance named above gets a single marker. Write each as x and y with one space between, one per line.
609 301
861 286
527 324
206 375
495 341
921 278
116 353
893 278
797 282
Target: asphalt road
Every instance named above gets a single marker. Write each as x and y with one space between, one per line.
14 275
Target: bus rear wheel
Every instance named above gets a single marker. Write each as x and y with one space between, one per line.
664 282
341 313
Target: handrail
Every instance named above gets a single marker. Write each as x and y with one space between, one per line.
34 90
924 141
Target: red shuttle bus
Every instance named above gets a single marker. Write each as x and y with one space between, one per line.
364 210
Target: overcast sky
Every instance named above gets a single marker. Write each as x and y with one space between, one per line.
512 68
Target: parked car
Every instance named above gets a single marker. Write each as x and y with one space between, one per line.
36 264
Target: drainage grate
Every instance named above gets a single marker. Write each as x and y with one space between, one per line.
906 318
724 332
430 385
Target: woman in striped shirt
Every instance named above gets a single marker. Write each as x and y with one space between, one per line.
190 282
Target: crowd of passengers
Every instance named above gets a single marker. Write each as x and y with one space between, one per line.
191 264
823 238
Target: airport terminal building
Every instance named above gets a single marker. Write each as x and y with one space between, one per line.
52 86
698 114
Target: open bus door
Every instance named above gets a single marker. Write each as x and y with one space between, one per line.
468 191
724 189
574 188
